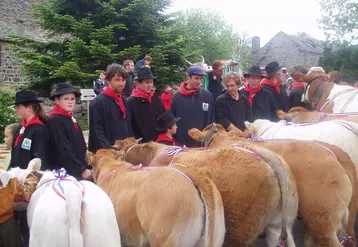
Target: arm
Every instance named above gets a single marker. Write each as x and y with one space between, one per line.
97 124
39 146
75 166
96 87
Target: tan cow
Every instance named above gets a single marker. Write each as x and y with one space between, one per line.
171 207
300 114
256 186
325 190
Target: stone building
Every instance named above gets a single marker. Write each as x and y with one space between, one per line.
289 50
14 19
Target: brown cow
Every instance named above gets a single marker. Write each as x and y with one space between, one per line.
325 190
161 206
300 114
250 183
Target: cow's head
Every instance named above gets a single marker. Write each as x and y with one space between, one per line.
201 64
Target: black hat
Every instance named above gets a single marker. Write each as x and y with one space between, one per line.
272 68
166 120
144 73
63 88
255 71
24 97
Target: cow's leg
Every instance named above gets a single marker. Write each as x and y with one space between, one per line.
308 241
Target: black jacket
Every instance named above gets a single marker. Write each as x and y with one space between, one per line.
282 100
144 116
263 105
230 111
107 123
296 97
196 111
98 86
68 146
129 84
33 144
214 86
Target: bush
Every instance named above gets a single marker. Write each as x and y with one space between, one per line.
7 111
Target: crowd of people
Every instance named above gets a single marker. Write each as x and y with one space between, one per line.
126 105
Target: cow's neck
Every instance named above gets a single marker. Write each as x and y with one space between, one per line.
318 92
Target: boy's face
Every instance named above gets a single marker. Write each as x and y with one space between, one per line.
174 129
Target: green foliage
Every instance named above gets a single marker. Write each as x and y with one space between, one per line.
7 111
339 19
344 60
84 36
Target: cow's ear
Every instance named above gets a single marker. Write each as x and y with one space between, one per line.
34 165
250 127
196 134
4 178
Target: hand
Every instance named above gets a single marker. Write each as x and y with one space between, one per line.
87 174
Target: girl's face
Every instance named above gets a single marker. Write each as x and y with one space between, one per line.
23 112
66 101
8 136
174 129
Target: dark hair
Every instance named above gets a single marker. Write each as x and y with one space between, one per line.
13 127
148 58
127 62
216 64
38 111
114 70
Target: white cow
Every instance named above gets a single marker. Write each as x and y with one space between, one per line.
63 212
340 133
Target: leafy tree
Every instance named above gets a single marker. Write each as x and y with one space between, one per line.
87 35
344 60
339 19
206 33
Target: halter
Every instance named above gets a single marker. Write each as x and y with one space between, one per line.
209 136
335 96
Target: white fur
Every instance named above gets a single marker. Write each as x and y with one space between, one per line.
331 132
56 222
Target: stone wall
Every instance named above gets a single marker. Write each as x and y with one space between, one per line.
9 67
15 19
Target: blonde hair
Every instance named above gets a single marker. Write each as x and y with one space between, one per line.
235 76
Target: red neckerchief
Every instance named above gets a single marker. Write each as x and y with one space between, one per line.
269 83
164 137
58 110
34 120
139 93
298 85
118 98
167 100
217 74
252 92
185 91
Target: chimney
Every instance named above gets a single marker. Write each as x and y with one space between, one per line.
255 47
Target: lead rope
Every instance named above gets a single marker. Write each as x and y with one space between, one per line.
345 239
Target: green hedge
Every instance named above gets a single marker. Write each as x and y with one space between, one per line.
7 111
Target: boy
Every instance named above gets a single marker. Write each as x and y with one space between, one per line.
166 126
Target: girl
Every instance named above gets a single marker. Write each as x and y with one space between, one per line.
68 146
30 141
8 139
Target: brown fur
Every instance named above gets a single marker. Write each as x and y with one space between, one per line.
156 206
325 190
300 114
249 188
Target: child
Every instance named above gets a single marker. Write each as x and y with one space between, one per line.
166 126
8 138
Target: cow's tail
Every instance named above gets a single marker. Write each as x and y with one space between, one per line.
214 232
74 199
289 202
